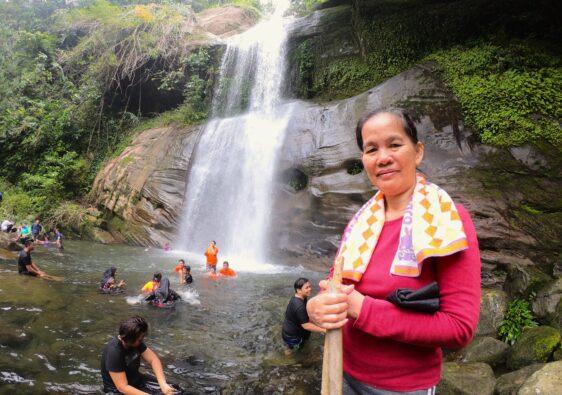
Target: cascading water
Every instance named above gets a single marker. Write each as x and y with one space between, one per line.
229 189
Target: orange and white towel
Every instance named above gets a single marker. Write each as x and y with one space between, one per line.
431 227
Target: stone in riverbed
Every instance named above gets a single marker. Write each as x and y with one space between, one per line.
493 307
534 345
484 349
546 381
475 378
509 384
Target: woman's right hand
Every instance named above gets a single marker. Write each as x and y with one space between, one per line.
329 310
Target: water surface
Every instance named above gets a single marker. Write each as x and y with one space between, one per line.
224 337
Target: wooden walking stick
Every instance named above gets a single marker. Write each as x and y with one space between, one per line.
332 365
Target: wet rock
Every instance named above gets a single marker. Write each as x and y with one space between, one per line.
522 280
102 236
545 381
7 242
493 307
484 349
546 304
535 345
509 384
474 378
6 255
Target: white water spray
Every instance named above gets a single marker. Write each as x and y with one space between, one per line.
229 189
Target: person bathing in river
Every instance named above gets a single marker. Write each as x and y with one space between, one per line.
410 235
186 277
179 269
121 358
211 254
153 284
108 282
296 326
164 294
58 238
226 270
25 263
213 273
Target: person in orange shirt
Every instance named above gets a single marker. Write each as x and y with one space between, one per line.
152 285
211 255
179 270
213 273
226 270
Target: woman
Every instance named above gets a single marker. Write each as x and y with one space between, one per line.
408 235
108 282
164 294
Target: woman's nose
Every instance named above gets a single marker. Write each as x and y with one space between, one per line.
384 156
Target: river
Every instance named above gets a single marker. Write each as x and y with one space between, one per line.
223 338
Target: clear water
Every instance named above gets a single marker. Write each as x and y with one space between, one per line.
224 337
229 190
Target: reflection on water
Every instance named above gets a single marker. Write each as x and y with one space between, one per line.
224 337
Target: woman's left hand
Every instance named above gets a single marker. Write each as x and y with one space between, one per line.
355 302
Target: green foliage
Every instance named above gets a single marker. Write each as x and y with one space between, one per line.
511 94
303 7
296 184
518 317
68 215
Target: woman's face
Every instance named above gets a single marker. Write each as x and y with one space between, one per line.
389 156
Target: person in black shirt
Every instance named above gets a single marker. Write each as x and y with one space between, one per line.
121 358
297 327
25 264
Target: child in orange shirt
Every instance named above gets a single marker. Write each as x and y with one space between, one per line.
226 270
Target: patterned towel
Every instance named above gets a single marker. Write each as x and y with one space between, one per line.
431 227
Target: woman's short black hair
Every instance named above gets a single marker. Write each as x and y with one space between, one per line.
157 277
133 328
405 118
300 283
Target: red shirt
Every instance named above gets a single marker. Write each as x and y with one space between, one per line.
400 350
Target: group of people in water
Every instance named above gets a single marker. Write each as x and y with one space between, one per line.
34 232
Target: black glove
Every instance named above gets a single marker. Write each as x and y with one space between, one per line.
425 299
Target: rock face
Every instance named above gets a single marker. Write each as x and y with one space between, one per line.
484 349
145 185
493 306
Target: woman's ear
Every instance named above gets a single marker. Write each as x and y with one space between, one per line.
420 149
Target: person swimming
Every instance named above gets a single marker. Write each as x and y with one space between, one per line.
163 294
153 284
107 283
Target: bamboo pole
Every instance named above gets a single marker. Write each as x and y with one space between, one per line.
332 364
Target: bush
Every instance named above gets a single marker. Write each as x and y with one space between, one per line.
518 317
511 94
68 215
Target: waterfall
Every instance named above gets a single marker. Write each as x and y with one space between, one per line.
230 183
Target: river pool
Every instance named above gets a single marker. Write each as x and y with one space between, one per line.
223 338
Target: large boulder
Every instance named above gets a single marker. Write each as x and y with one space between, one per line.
546 304
8 243
509 383
523 279
493 307
484 349
545 381
535 345
475 378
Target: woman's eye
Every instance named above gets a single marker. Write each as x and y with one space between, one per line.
395 145
370 150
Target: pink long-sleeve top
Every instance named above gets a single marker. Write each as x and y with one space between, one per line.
400 350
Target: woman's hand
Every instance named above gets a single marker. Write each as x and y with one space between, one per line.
329 311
